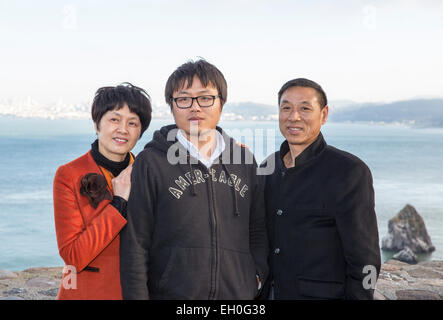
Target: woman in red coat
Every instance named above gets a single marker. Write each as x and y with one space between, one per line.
90 195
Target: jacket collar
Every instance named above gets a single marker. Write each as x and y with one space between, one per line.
309 154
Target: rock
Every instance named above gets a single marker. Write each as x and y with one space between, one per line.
407 229
41 282
51 292
402 281
6 274
423 273
417 295
406 255
11 298
15 291
32 284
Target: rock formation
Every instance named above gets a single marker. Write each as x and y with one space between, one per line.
402 281
406 255
397 281
407 229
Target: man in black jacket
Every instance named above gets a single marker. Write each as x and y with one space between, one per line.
196 217
321 221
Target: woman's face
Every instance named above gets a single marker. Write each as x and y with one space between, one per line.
118 132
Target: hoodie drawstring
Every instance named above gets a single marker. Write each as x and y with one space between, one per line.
193 193
237 212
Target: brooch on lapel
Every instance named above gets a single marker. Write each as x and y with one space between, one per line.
94 186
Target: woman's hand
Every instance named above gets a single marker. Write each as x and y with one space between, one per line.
122 183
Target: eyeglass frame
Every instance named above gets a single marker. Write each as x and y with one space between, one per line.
196 98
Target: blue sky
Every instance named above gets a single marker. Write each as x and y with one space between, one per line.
357 50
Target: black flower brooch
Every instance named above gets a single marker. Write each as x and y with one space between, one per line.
94 186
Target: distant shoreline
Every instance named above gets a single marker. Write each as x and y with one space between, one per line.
370 123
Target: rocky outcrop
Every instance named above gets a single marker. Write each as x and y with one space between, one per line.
407 230
406 255
30 284
397 281
402 281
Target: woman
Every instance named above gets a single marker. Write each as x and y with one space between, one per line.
90 195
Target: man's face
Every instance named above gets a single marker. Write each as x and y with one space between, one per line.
206 118
300 116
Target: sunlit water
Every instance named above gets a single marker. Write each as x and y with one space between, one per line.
407 167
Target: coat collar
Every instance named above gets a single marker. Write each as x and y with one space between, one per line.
309 154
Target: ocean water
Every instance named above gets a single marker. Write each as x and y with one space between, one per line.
406 163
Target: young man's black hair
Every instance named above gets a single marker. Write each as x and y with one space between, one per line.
205 71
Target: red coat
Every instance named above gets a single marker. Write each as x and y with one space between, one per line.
86 237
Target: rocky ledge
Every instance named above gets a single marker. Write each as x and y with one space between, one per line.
30 284
402 281
397 281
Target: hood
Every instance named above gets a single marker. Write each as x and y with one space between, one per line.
165 138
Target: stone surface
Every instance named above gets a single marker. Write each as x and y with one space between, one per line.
417 295
402 281
51 292
32 284
406 255
40 282
6 274
397 281
15 291
11 298
407 229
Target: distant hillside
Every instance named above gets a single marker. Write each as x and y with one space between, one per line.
249 111
420 112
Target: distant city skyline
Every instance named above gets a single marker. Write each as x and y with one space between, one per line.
362 51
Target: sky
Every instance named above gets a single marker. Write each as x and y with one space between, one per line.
364 51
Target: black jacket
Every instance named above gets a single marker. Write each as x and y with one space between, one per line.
322 225
193 233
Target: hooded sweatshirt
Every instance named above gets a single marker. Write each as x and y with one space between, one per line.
193 232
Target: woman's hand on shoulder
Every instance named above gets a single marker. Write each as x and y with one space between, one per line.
122 183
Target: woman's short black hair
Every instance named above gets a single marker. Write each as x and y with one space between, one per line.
306 83
114 98
205 71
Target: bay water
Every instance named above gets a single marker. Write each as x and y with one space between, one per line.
406 164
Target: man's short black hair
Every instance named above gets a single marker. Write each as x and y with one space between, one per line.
114 98
205 71
306 83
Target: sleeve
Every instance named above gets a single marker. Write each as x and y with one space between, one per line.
78 243
120 204
258 240
357 226
135 239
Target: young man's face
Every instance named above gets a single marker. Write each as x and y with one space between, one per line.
300 116
196 119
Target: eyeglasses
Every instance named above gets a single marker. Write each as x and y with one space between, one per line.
203 101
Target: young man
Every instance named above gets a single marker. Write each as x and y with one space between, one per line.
196 219
320 208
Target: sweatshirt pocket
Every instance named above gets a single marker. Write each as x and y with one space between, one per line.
186 275
238 280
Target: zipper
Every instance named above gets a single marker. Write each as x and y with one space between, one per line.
214 244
